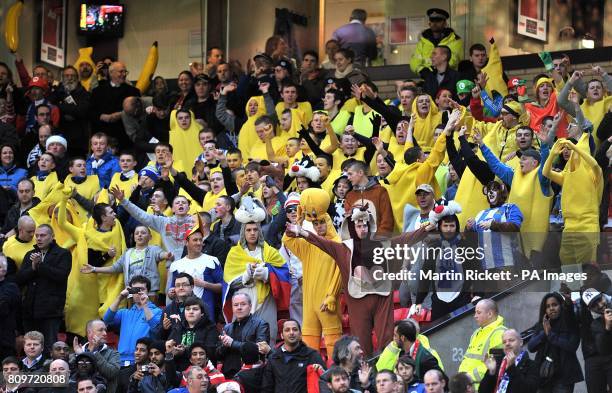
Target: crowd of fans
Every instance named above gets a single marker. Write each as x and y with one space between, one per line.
225 232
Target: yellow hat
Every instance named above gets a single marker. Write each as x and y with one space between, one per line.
544 80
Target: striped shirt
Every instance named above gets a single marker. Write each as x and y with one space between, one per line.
499 247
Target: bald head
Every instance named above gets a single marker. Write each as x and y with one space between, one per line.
117 72
132 106
59 367
485 312
512 341
26 227
434 381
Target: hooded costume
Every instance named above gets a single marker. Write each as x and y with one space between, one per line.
248 135
85 57
186 143
378 199
424 127
262 273
370 304
316 264
108 287
403 180
87 187
582 182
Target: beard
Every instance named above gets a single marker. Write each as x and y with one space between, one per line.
71 86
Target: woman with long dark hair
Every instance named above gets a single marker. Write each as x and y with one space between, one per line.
555 343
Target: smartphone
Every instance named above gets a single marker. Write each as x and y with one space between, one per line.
497 353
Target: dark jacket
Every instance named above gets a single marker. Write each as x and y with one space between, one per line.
285 371
449 82
204 331
124 377
45 287
250 379
74 121
10 300
524 378
106 99
252 329
14 213
231 231
560 345
8 135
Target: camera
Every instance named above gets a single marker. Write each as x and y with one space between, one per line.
133 291
144 369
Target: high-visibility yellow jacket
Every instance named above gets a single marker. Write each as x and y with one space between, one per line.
482 340
421 57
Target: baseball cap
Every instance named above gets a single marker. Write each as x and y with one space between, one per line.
263 56
424 187
533 153
590 295
465 86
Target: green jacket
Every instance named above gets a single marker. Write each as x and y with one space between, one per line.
421 58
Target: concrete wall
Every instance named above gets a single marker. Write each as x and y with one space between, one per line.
251 23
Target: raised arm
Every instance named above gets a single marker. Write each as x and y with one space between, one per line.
152 221
547 171
480 169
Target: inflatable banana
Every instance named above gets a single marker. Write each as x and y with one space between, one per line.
85 57
149 69
11 26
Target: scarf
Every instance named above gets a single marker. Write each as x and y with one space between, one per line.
503 379
42 175
125 176
342 74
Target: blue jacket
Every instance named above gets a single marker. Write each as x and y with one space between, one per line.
106 170
9 177
133 325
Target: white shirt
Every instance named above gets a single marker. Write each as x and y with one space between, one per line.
195 268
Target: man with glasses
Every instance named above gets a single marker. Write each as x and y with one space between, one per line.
106 358
175 311
197 382
107 104
73 101
135 322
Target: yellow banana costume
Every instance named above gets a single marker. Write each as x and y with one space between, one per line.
88 189
85 57
317 293
43 187
248 136
304 111
495 72
108 288
424 126
582 183
404 179
144 80
14 249
186 143
11 26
